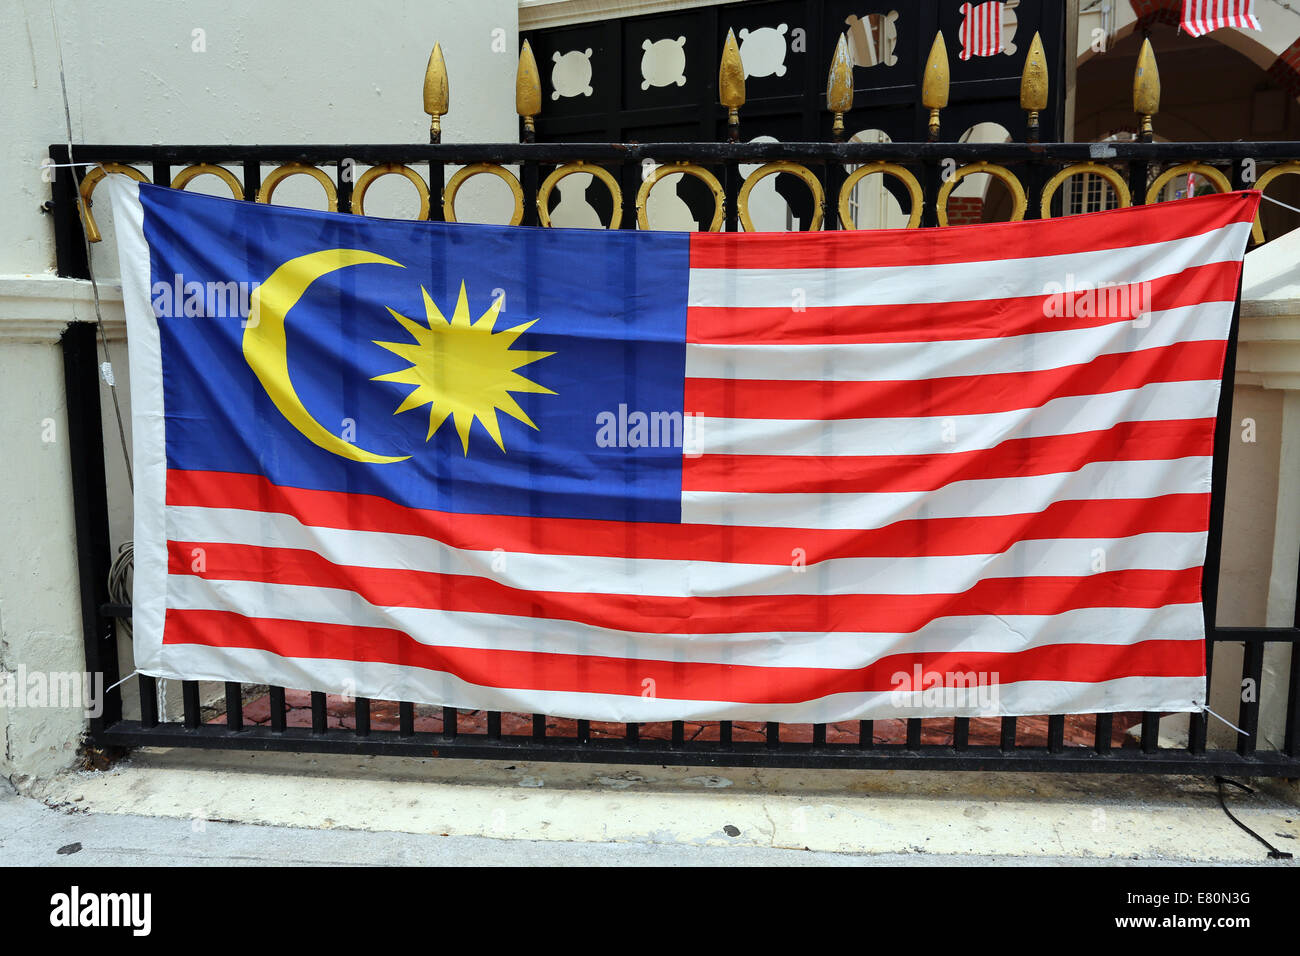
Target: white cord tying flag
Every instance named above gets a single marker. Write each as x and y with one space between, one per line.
1202 16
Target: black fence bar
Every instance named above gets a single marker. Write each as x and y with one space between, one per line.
148 701
742 754
406 718
1056 733
539 726
278 709
69 241
85 440
190 703
961 732
913 733
866 734
1105 729
554 154
234 707
319 722
1291 746
494 724
1252 676
1008 741
1291 742
449 721
1150 732
361 716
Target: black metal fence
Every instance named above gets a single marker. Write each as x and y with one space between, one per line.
804 171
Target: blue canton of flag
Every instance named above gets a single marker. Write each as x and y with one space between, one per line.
609 311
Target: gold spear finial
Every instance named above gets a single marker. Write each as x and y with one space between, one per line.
1146 88
731 85
1033 85
528 91
435 92
839 87
934 85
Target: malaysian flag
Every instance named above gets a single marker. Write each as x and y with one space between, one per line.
1202 16
981 30
639 476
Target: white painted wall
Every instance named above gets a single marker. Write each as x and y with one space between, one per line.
329 71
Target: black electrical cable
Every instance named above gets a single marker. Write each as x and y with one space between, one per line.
1273 852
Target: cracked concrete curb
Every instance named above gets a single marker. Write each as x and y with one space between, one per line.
1030 817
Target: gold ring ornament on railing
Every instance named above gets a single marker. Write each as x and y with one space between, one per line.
689 169
88 184
1090 169
1019 202
771 169
374 172
901 173
281 173
190 173
570 169
1219 180
478 169
1282 169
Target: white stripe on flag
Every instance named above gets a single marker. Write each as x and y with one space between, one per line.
972 281
395 682
588 574
843 650
920 361
941 435
1098 481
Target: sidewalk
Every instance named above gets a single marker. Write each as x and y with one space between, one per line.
189 807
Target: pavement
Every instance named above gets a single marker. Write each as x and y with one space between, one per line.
185 808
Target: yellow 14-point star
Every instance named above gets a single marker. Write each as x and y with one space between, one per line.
463 369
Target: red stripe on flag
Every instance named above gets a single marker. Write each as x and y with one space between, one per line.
1104 518
1204 16
930 322
1069 235
396 587
575 673
1014 458
958 395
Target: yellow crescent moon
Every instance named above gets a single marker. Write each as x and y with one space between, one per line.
265 345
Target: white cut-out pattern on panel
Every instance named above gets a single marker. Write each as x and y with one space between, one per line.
668 211
871 204
872 38
762 51
571 74
663 63
573 210
767 207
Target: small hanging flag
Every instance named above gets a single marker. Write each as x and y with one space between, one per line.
981 30
1202 16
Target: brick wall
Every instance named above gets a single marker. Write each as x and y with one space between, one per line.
965 210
